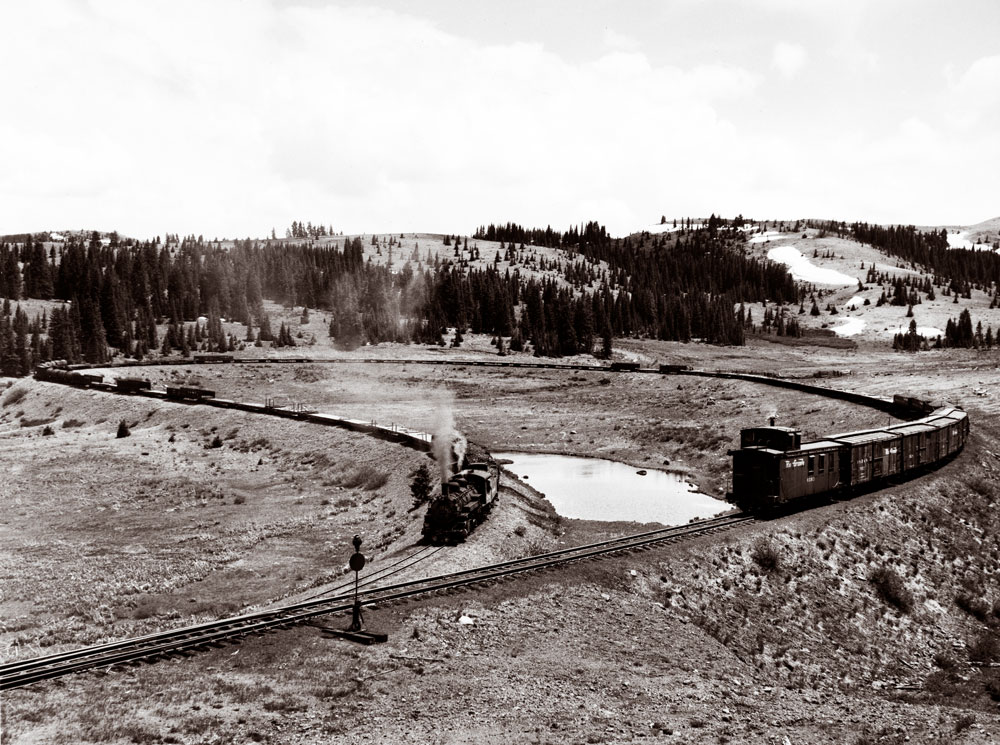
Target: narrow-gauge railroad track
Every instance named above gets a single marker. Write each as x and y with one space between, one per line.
70 375
875 402
407 562
155 646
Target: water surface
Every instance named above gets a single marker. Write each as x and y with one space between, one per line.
597 489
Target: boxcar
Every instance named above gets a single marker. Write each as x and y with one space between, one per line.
869 455
132 385
919 443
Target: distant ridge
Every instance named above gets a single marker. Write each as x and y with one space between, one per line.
56 235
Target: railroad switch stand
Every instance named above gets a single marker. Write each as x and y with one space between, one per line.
356 631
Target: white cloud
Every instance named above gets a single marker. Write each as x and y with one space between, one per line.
788 58
228 118
980 84
619 42
856 58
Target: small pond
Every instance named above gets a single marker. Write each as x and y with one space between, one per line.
597 489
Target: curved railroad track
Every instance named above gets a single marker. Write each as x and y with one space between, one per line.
900 408
21 673
882 404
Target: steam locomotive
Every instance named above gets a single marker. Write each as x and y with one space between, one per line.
466 497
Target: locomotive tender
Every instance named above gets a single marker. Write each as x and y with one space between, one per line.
773 467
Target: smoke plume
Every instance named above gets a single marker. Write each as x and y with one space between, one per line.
447 443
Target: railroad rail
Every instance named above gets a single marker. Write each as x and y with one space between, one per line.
420 440
21 673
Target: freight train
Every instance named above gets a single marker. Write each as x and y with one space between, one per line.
56 372
774 469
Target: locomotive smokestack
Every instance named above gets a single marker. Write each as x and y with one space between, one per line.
772 420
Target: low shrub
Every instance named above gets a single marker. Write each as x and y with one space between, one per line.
984 648
975 607
47 431
891 589
36 422
765 555
964 722
981 485
123 430
70 423
944 661
365 476
992 684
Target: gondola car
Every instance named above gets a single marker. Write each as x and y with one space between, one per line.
624 366
188 393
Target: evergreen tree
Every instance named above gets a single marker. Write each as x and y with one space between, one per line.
421 485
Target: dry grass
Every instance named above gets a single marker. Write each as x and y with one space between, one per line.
365 476
14 395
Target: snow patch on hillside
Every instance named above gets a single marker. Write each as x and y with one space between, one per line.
849 327
929 331
959 240
668 227
802 269
764 237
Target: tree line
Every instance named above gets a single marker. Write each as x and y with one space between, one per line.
133 298
930 249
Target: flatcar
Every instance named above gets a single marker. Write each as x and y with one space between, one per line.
202 359
773 467
670 369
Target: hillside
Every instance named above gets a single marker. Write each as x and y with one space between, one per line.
680 284
983 234
834 267
988 231
421 249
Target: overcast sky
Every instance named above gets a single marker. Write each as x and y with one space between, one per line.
228 118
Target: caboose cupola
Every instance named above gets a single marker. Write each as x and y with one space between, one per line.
773 438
